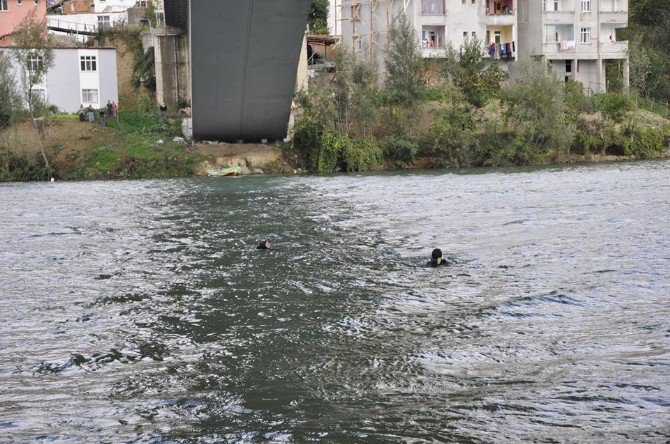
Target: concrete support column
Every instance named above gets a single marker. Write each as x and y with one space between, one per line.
626 75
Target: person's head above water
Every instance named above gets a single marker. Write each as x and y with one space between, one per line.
264 245
436 257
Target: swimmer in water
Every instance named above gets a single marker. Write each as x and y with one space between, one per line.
436 259
264 245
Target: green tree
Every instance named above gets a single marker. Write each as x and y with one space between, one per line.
404 65
477 77
318 17
10 101
537 108
35 56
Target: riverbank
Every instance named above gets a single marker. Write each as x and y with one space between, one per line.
134 147
144 146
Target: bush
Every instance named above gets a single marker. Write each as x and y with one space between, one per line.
362 155
646 143
594 132
400 151
332 148
307 138
613 105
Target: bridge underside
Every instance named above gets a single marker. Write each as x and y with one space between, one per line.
244 59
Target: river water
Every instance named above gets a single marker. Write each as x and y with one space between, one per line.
141 311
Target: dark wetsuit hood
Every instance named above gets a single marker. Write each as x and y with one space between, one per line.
436 258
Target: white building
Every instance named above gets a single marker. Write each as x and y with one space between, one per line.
79 76
366 23
100 6
335 17
578 37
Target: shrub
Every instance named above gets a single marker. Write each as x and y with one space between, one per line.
594 132
333 145
307 138
646 143
613 105
400 150
362 155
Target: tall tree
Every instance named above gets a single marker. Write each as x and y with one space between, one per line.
9 97
35 56
478 78
404 66
318 17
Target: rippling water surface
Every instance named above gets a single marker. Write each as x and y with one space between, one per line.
142 311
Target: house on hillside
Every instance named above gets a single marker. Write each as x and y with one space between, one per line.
83 19
79 76
13 12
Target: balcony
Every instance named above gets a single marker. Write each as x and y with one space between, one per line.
559 17
614 17
500 7
433 7
614 50
560 49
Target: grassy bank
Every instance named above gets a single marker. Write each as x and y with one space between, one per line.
136 146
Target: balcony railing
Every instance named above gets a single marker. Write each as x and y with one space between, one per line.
500 7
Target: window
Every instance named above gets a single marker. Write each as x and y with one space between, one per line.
142 3
35 63
568 66
89 63
39 94
358 44
474 34
356 12
89 96
586 5
3 5
585 35
103 22
19 2
465 34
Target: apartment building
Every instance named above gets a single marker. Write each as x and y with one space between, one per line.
13 12
578 38
366 23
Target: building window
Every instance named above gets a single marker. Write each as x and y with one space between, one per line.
89 96
39 94
89 63
586 5
356 12
358 43
568 66
585 35
35 63
103 22
3 5
142 3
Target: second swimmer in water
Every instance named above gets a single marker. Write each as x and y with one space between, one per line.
436 259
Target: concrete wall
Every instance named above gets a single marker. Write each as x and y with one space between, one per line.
15 14
171 49
244 59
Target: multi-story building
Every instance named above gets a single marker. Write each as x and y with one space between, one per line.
79 76
578 37
366 23
13 12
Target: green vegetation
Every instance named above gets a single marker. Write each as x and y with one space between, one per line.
140 145
459 111
318 17
145 148
649 45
